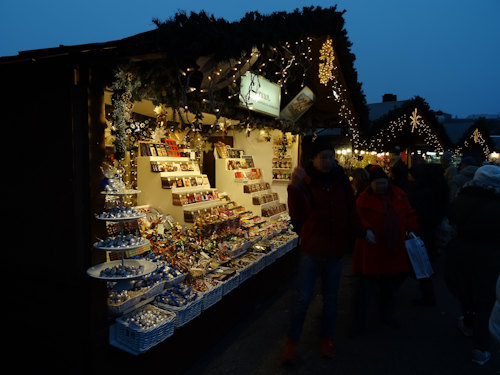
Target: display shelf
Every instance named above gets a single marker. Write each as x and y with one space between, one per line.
97 270
121 192
168 191
246 265
141 243
136 243
242 191
120 219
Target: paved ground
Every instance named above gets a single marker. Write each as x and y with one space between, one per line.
245 332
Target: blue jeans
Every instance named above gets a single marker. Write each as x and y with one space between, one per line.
310 268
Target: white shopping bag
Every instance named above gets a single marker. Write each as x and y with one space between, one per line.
418 256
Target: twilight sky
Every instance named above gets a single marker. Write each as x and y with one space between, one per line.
446 51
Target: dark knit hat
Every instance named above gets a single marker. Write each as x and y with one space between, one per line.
320 144
376 171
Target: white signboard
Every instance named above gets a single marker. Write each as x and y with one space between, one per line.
260 95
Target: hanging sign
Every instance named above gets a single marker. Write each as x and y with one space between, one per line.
260 95
298 105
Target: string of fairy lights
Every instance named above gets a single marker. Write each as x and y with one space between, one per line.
285 57
414 122
297 54
328 74
477 137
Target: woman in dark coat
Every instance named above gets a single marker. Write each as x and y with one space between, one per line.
382 260
473 257
322 207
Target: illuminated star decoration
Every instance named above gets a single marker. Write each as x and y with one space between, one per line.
477 136
415 120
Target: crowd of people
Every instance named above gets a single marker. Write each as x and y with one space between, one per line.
370 212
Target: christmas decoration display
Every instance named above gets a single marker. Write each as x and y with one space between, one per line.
184 265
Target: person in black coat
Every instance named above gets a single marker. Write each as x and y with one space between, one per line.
428 194
473 258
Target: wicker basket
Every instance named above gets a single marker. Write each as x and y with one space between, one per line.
239 251
270 257
141 340
186 313
128 305
231 283
211 297
259 264
175 280
281 250
246 273
156 289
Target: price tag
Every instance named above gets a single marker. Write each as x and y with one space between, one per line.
161 228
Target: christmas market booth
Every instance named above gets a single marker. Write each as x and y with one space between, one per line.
477 142
409 131
162 167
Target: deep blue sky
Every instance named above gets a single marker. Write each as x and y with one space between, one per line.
446 51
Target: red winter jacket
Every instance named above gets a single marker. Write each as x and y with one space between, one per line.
326 216
389 216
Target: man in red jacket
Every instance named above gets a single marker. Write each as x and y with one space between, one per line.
322 207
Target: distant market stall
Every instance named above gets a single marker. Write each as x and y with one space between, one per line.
410 131
477 142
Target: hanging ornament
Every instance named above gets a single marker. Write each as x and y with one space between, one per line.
325 69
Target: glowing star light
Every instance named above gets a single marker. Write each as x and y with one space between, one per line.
477 136
415 120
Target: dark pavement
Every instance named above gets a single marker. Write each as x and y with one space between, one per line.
245 334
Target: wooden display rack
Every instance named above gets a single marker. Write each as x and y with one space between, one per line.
157 178
237 184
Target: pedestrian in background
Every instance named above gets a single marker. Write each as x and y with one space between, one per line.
322 207
381 260
448 167
360 179
399 174
473 257
428 195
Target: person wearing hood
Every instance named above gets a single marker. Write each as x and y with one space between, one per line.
322 207
466 169
381 259
473 257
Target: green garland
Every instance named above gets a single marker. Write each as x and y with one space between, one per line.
183 39
123 87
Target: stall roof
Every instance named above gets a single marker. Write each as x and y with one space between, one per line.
394 123
456 128
186 41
